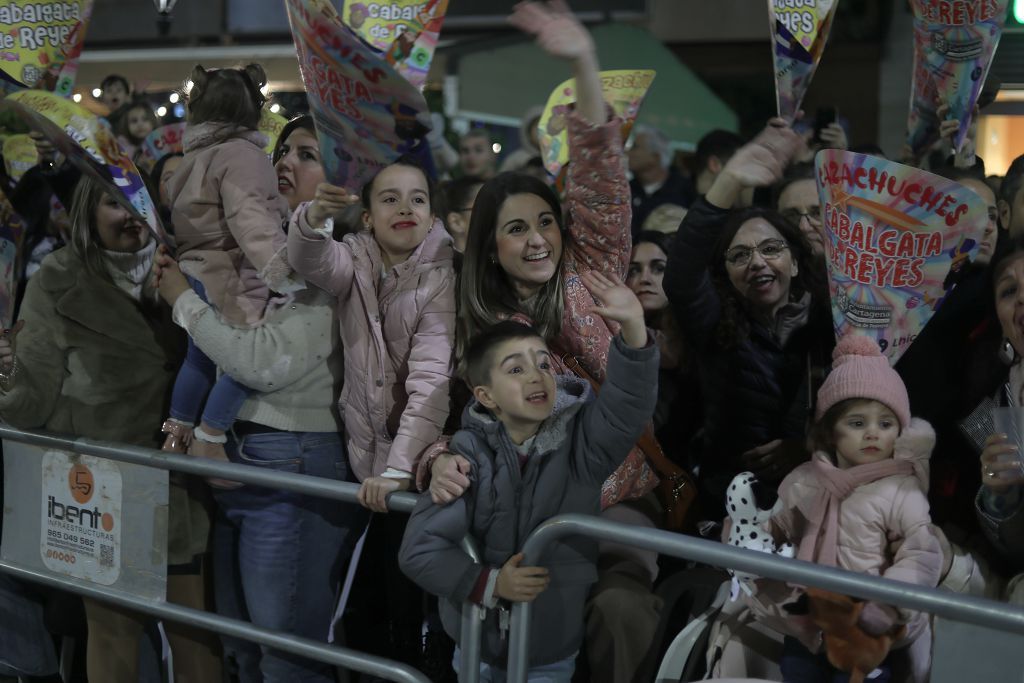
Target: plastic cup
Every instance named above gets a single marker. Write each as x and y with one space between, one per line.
1010 421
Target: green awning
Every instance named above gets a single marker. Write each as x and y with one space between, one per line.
498 85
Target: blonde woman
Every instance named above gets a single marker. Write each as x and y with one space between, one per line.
94 354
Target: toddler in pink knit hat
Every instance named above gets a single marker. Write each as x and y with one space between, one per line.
861 503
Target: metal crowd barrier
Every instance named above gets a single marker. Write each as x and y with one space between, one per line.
994 617
472 619
981 612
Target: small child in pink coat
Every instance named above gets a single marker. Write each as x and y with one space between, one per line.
229 220
861 504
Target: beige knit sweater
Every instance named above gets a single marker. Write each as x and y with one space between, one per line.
293 361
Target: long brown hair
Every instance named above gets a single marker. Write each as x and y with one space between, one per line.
85 239
486 296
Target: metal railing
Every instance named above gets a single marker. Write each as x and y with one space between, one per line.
962 608
300 483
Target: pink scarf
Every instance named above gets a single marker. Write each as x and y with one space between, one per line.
837 485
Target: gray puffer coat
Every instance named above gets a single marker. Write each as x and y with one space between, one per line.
577 448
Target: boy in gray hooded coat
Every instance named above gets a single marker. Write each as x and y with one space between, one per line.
536 451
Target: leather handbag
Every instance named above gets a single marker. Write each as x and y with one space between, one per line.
676 489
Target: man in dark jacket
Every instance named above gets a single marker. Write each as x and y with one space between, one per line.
655 180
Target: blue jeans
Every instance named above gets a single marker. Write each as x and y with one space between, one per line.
556 672
25 646
800 665
278 555
194 381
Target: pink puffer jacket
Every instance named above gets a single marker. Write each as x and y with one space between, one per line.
229 220
398 333
885 530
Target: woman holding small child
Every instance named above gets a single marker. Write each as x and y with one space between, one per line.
278 554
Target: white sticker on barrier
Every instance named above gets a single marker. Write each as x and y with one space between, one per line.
81 530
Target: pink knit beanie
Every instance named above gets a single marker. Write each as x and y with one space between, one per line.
859 370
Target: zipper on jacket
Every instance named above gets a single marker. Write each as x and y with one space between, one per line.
504 620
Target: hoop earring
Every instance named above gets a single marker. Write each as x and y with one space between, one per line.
1007 353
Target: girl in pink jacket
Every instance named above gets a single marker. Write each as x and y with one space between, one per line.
395 288
395 285
861 504
229 223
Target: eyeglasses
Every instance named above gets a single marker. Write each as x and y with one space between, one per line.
769 250
813 213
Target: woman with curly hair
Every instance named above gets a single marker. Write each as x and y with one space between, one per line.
749 296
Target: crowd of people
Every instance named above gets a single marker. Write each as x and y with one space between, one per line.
512 354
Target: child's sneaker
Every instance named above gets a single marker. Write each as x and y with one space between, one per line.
179 436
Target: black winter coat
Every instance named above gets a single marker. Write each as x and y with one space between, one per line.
755 390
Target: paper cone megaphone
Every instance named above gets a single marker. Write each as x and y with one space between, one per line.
366 114
623 89
953 47
159 143
89 144
12 234
405 32
271 125
897 240
799 33
41 43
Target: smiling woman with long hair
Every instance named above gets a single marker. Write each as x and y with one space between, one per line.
525 254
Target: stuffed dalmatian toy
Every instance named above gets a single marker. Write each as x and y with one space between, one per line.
748 527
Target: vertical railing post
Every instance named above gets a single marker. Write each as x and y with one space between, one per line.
471 627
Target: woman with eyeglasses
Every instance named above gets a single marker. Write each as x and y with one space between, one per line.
796 199
749 295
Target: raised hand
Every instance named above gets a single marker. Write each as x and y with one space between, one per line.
520 584
45 150
947 127
759 163
617 302
834 137
755 165
558 31
329 201
560 34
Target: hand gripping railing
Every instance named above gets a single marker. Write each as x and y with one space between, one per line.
971 610
299 483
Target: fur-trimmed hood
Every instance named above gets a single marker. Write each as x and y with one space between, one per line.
915 445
